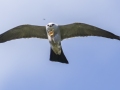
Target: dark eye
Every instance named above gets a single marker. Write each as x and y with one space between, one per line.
47 25
53 24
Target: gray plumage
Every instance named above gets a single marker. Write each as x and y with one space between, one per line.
67 31
55 34
24 31
81 29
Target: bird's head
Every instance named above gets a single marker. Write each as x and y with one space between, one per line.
50 28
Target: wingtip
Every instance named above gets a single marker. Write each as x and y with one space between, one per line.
118 37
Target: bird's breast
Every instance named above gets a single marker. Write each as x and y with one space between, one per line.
51 33
55 44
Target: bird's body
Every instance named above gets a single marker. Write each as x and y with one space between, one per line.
55 34
55 38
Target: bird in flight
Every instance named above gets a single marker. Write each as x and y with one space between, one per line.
55 34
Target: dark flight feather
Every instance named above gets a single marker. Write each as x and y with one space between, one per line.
24 31
81 29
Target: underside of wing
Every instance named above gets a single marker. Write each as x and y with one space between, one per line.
81 29
24 31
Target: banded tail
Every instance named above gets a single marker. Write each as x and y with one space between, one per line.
58 58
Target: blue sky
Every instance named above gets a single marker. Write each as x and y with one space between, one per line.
94 61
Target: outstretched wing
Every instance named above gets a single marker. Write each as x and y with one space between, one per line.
24 31
81 29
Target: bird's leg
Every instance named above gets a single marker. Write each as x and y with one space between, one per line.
51 33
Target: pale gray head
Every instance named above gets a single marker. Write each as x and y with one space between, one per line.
51 28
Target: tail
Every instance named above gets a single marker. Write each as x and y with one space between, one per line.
58 58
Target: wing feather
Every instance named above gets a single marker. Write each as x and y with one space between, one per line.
24 31
81 29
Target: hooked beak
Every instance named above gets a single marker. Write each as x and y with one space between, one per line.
51 33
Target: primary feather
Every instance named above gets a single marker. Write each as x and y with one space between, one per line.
24 31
